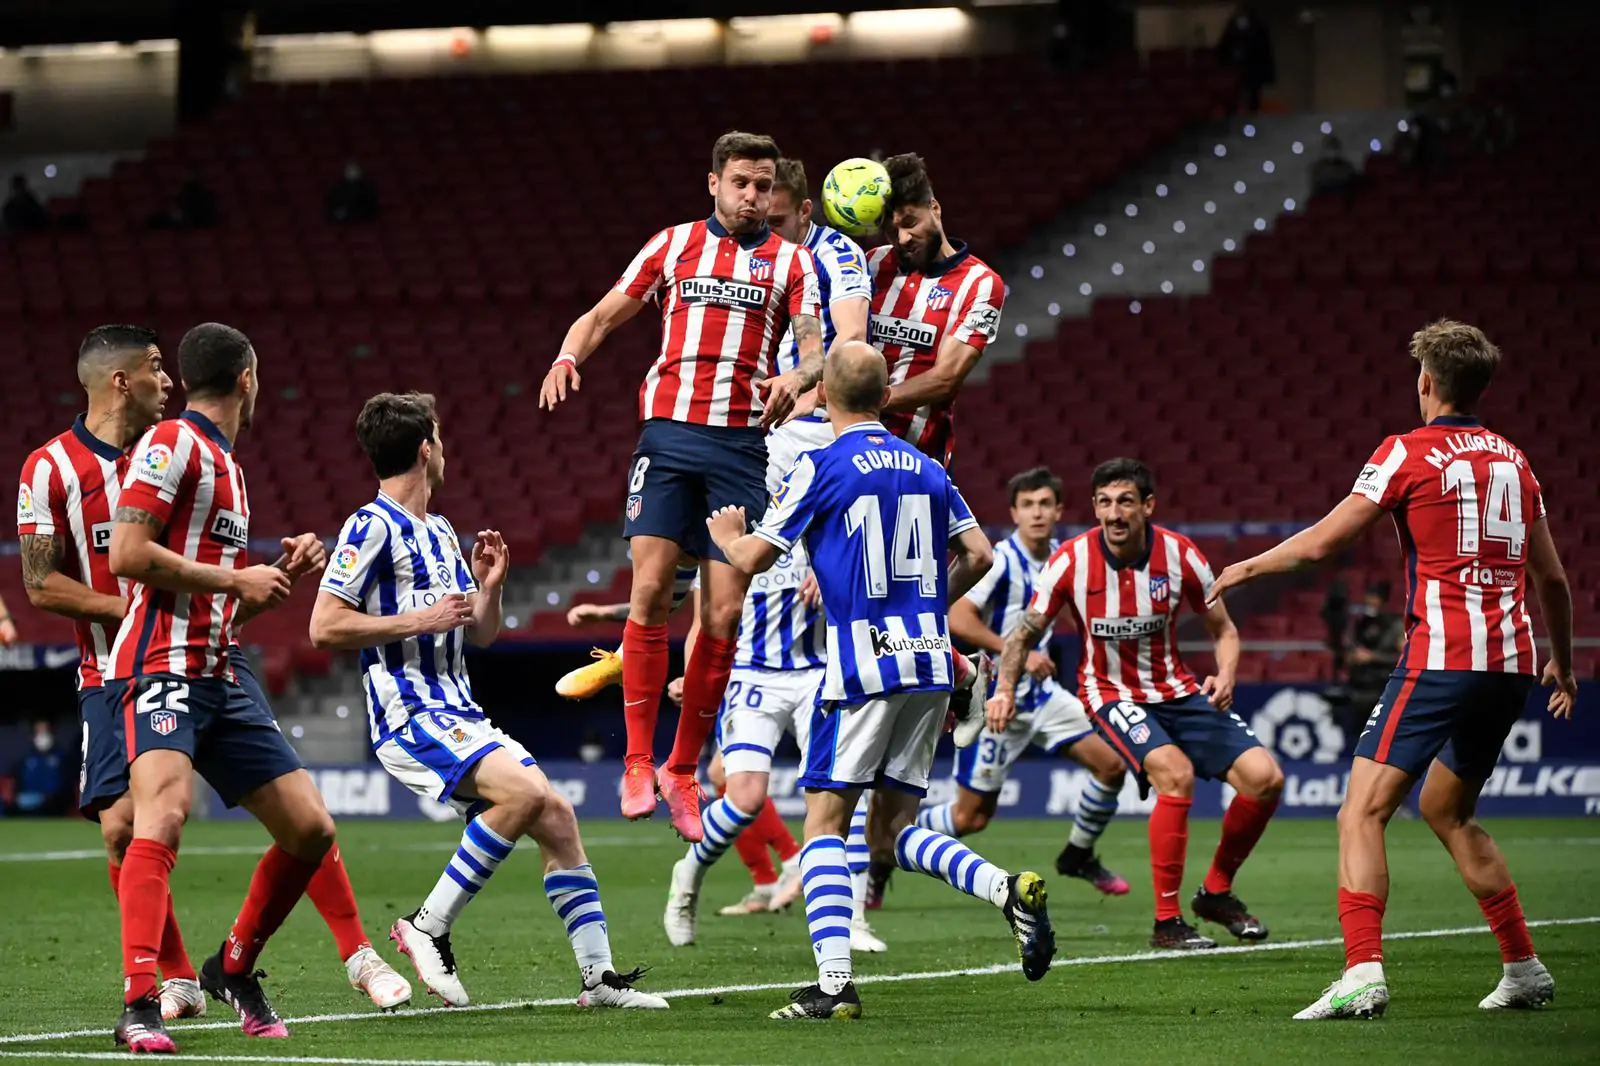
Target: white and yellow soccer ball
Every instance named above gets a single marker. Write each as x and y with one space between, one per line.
854 195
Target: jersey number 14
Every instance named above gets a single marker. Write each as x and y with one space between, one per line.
913 554
1498 518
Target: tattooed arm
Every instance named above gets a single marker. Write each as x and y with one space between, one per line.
781 392
137 555
1019 642
51 590
940 383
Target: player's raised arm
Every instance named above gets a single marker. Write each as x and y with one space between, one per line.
966 617
1338 529
491 561
748 553
40 518
1549 580
339 625
959 352
974 556
780 393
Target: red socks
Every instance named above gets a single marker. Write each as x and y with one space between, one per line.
753 852
1504 914
1361 919
644 678
767 831
703 683
1169 845
1246 819
145 899
279 882
335 900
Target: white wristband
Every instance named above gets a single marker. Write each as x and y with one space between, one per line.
568 358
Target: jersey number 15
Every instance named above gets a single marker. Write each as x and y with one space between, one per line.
914 555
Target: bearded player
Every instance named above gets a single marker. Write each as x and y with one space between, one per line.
729 289
1471 518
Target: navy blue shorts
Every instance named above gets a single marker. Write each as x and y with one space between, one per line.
1212 739
225 728
681 473
1460 717
103 778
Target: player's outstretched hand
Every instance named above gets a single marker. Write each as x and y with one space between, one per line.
810 591
8 633
779 393
1232 576
1565 696
999 711
562 375
259 587
726 525
453 611
588 614
304 555
1218 692
675 691
490 559
1040 666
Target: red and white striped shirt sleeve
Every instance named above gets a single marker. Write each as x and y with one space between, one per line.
1383 479
644 274
1197 578
803 292
1052 589
163 467
41 503
978 320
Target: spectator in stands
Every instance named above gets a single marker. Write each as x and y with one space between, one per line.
1247 47
194 208
23 213
1332 172
42 784
1374 649
354 198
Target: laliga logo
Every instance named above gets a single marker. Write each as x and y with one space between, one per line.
1299 725
156 458
346 558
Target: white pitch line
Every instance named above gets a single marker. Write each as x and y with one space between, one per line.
864 979
312 1060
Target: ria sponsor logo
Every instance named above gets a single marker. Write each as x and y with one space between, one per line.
741 295
231 528
1133 627
885 330
1487 575
885 643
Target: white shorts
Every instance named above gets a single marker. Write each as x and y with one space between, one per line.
758 707
785 444
435 749
1057 722
887 737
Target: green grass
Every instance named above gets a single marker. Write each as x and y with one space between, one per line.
62 959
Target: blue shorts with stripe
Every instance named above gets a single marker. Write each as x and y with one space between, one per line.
103 778
1213 740
681 473
225 728
1460 717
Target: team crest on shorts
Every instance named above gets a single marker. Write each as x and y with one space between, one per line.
163 722
1139 733
1158 589
635 507
458 735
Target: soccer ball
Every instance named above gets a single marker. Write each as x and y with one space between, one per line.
853 196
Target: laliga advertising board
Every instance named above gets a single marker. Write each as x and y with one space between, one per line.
1546 768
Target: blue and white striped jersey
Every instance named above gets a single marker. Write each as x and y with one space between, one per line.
841 274
388 562
876 516
1002 596
778 631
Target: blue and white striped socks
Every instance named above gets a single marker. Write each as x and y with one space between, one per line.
481 851
945 857
826 877
940 818
857 856
1096 805
575 895
720 825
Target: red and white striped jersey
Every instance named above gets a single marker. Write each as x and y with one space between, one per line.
726 303
914 313
1126 613
69 490
183 472
1462 499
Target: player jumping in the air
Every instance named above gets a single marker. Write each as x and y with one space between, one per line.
1471 518
1124 583
68 494
728 288
875 516
398 589
179 538
1046 715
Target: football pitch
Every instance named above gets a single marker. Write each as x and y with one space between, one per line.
948 990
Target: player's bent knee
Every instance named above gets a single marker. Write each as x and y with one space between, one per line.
116 833
1170 772
747 791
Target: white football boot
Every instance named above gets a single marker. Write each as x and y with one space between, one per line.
614 989
683 903
758 901
182 997
970 723
1360 992
790 885
370 974
862 938
1525 985
433 958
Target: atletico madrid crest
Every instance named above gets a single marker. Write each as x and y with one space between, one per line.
163 722
1158 590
